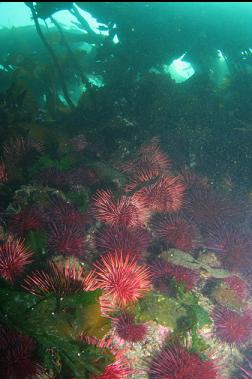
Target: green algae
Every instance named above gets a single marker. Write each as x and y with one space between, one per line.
56 324
161 309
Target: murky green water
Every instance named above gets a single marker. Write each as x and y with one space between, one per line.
125 190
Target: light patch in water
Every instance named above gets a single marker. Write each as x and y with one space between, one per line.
69 21
95 80
221 56
116 39
220 70
16 14
180 70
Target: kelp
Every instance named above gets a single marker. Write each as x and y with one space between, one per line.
47 9
53 56
56 325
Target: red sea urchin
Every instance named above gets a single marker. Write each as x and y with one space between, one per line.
122 239
63 212
116 370
233 244
163 271
78 143
14 257
232 327
126 211
122 278
17 356
66 240
151 155
81 176
29 218
59 278
176 231
175 362
149 158
120 368
52 177
246 370
165 194
141 179
193 181
207 206
3 172
238 286
128 330
15 149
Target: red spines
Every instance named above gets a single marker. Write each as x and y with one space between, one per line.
132 241
122 278
128 330
17 355
59 278
126 211
66 240
3 172
162 271
120 368
63 212
175 362
165 194
234 328
176 231
14 257
238 286
29 218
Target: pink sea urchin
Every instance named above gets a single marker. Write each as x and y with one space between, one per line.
14 257
126 211
122 278
59 278
175 362
165 194
149 158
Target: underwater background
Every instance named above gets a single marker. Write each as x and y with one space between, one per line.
125 190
